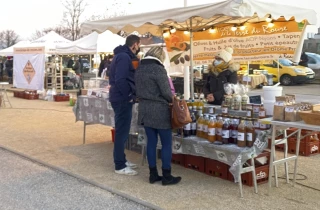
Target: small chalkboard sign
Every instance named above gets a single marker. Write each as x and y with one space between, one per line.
255 99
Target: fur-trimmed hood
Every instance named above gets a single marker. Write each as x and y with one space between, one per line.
233 67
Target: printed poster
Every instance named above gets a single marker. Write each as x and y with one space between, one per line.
29 68
258 41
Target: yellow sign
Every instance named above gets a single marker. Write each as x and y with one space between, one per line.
29 72
253 41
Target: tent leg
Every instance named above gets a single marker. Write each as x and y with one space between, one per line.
191 61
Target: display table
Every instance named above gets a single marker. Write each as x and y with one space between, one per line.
92 110
278 125
253 79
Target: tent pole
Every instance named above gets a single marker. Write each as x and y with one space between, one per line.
186 73
191 60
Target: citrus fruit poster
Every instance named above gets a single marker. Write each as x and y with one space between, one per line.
251 42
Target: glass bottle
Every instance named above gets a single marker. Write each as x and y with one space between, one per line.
219 129
193 124
233 132
212 130
200 126
200 106
262 113
225 132
241 140
189 103
250 133
194 106
187 130
224 109
205 127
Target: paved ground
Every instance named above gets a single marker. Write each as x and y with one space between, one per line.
47 131
27 185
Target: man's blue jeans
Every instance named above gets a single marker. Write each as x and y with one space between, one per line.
166 142
122 117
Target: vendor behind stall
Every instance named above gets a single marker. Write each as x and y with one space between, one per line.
222 71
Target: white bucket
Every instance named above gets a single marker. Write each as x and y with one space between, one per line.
268 106
270 92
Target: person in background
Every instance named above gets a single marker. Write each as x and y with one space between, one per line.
70 63
107 64
304 60
154 94
102 64
9 67
1 70
122 96
222 71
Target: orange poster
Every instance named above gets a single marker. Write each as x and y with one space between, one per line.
257 41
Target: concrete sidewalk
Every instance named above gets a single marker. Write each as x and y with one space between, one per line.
47 131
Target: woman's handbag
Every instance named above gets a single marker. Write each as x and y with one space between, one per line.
180 113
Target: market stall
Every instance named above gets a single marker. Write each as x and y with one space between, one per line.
47 71
204 17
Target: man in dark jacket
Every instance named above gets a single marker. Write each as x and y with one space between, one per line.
304 60
222 71
122 97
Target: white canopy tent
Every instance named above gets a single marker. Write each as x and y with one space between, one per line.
9 51
92 44
49 42
197 18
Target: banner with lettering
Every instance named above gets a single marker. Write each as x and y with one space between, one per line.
257 41
28 68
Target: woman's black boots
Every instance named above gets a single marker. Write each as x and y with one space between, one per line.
168 179
154 176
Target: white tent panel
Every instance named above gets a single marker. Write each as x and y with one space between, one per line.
9 51
229 11
107 41
49 41
85 45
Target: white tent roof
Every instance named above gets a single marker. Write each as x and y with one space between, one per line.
85 45
228 11
9 51
92 43
49 41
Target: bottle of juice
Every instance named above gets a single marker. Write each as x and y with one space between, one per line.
262 112
219 129
200 126
189 103
194 107
200 106
193 124
233 132
205 127
250 133
212 130
225 132
242 136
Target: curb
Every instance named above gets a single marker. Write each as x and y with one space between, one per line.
88 181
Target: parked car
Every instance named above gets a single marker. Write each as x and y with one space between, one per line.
314 61
289 73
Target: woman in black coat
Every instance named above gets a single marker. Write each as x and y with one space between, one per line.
154 94
222 71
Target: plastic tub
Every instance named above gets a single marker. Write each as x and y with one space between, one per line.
270 92
268 106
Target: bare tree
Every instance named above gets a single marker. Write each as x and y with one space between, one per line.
8 38
73 12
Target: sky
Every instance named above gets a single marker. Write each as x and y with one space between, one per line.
27 16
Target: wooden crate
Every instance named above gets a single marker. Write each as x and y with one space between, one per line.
194 162
178 159
262 174
59 98
217 169
31 96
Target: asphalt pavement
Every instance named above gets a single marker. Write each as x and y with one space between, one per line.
27 185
